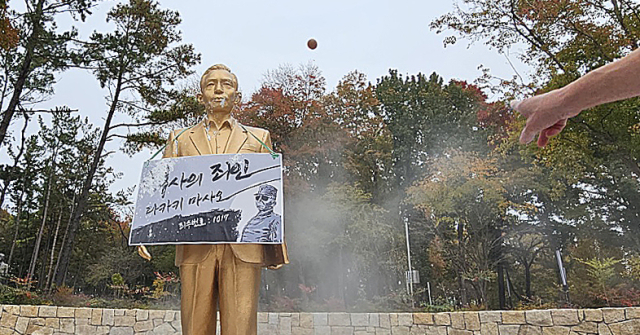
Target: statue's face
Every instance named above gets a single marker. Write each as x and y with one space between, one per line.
219 93
265 202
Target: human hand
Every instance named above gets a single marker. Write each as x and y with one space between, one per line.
546 115
143 252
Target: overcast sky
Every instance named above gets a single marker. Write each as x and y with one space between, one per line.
252 37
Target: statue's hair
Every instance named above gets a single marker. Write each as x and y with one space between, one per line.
219 67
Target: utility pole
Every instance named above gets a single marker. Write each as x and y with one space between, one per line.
410 272
563 277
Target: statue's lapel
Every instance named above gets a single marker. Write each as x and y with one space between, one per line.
199 139
236 139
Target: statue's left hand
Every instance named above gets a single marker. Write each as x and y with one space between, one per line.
143 252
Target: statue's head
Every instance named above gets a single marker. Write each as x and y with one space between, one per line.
219 90
266 198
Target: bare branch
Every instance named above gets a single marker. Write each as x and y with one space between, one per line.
49 110
133 125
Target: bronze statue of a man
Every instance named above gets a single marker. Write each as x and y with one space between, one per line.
227 275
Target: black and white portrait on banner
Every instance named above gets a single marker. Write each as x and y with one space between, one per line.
223 198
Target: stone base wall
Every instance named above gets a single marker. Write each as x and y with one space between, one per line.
94 321
26 319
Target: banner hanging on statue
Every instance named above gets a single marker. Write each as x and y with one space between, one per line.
209 199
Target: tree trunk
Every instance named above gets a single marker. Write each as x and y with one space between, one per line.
53 251
25 71
36 249
43 268
461 259
17 223
64 240
15 162
501 291
527 280
65 255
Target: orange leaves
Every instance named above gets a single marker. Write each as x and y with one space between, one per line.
291 104
23 282
437 257
543 9
8 34
459 184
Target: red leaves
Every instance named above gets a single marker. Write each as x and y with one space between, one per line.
169 277
471 88
306 289
291 104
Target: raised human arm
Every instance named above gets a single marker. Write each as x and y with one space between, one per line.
547 113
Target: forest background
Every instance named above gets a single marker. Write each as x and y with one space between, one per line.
485 215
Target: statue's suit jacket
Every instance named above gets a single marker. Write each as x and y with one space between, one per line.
193 142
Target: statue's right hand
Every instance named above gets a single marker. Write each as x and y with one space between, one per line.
143 252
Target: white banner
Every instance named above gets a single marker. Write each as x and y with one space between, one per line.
209 199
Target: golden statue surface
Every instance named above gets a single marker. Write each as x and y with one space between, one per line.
227 275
